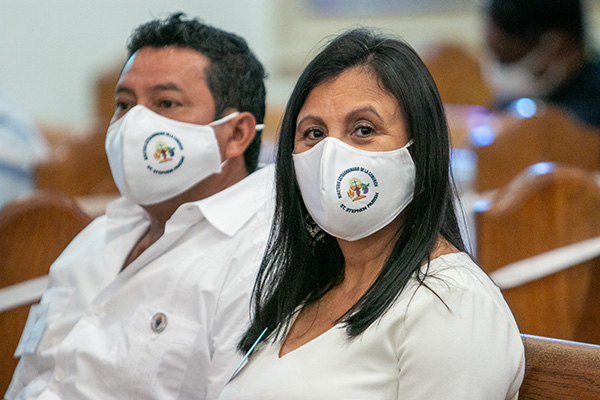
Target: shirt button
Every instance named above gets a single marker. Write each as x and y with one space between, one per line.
97 309
59 375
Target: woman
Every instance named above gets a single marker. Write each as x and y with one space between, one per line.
366 291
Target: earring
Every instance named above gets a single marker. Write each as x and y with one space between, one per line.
316 233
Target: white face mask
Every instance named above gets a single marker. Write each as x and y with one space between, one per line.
153 158
352 193
511 81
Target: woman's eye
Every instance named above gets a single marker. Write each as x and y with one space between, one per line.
363 131
314 134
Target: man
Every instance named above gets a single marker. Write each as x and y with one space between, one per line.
149 300
537 49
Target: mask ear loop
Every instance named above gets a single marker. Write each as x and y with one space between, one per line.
229 117
226 118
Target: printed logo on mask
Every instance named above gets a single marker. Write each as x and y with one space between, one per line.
362 192
163 152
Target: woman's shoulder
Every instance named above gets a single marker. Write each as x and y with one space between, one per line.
455 326
456 270
456 282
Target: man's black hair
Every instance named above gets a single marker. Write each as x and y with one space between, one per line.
234 76
529 19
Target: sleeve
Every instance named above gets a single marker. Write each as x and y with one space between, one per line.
231 319
34 364
468 348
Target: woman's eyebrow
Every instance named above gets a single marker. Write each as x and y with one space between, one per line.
352 114
309 117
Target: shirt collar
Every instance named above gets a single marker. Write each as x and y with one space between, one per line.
230 209
227 211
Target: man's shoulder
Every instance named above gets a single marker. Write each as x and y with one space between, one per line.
85 242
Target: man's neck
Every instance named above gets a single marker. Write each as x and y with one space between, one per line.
233 171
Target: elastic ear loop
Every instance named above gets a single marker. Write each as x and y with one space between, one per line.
229 117
226 118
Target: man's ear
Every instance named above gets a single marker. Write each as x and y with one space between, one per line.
244 131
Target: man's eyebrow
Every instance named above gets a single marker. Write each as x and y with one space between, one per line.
122 89
156 88
166 86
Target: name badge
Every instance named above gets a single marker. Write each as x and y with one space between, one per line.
34 328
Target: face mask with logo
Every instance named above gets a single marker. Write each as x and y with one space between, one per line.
352 193
511 81
153 158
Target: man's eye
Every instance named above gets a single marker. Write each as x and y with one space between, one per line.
167 104
122 105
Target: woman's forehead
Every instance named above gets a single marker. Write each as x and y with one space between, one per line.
351 87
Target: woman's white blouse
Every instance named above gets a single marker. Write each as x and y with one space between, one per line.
467 348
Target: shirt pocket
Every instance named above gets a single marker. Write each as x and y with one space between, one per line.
146 362
56 299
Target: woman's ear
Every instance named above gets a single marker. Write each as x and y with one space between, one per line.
239 138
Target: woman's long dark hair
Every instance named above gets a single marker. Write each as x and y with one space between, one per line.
294 271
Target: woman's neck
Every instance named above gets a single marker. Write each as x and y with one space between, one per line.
364 258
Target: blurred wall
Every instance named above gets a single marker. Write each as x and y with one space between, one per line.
52 51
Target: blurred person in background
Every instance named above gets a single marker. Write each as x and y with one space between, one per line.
538 49
23 146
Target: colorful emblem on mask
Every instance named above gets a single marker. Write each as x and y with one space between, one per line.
358 190
360 182
163 152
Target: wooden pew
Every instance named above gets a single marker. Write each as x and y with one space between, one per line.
457 74
546 207
549 135
34 230
560 370
78 165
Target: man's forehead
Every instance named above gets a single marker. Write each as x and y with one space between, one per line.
166 68
179 59
128 63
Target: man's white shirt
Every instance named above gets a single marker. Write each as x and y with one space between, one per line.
166 326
